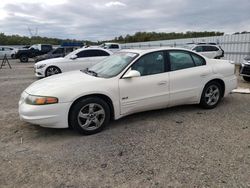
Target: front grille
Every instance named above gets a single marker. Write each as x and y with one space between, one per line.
245 70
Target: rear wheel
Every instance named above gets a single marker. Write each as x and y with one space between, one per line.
211 95
24 58
52 70
89 115
246 78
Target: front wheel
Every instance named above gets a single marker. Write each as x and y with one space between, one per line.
89 115
246 78
52 70
211 95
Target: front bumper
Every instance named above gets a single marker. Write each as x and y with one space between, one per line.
245 70
40 73
52 115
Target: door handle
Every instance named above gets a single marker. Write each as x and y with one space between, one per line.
162 83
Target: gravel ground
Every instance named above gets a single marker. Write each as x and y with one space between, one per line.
183 146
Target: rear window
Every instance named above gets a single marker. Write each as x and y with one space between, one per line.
198 60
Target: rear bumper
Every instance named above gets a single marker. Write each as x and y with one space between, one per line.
230 84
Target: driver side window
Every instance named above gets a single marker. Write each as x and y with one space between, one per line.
149 64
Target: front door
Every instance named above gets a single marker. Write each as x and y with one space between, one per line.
148 91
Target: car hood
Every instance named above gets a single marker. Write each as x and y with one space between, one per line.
51 61
64 85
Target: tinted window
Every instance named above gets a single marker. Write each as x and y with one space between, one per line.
152 63
58 51
214 48
198 60
210 48
198 49
114 46
46 48
180 60
92 53
103 53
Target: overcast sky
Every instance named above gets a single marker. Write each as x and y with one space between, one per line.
105 19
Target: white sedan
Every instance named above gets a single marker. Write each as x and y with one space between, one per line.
127 82
76 60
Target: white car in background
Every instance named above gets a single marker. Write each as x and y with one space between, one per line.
79 59
209 50
127 82
8 51
114 47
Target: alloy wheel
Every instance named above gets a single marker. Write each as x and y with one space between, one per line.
212 95
91 116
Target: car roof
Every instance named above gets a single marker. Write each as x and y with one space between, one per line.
145 51
93 48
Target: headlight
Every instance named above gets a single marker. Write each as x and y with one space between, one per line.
40 100
40 66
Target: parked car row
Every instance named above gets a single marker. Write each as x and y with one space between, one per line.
76 60
122 83
209 50
245 69
8 51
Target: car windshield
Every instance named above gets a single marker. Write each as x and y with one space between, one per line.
113 65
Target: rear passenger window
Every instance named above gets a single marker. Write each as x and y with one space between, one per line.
114 46
180 60
92 53
198 60
103 53
210 48
214 48
198 49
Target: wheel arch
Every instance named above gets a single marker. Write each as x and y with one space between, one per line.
48 66
98 95
220 81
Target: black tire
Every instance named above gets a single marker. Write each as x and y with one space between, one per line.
24 58
246 78
101 113
52 70
209 100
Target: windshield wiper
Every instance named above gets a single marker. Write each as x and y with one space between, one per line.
93 73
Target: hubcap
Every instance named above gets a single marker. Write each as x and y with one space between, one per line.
52 71
212 95
91 116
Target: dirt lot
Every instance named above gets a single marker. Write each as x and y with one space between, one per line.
177 147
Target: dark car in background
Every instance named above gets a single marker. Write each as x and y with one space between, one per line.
58 52
245 69
32 51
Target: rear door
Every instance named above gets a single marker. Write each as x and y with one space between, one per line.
187 77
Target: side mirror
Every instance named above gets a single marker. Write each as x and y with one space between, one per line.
132 74
73 57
